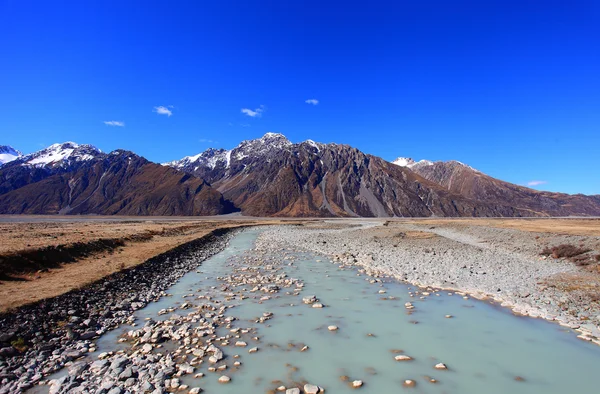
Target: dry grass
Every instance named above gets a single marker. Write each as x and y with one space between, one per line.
579 284
564 250
552 226
31 287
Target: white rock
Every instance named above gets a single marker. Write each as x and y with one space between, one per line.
311 389
332 328
409 383
224 379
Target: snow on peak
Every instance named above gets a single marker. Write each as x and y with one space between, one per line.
317 145
404 162
463 164
410 163
57 154
275 139
209 158
8 154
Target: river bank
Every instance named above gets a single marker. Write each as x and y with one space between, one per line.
264 316
41 338
499 264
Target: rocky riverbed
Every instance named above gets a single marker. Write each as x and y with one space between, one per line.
41 338
268 315
503 265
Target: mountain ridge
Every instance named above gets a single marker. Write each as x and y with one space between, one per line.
270 176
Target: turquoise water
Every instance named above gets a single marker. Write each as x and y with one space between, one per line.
485 347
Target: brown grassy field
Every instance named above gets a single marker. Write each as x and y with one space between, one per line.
590 227
147 238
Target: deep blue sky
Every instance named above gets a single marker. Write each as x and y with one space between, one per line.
510 87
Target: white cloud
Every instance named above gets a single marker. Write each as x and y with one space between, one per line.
257 113
536 183
162 110
312 101
207 141
114 123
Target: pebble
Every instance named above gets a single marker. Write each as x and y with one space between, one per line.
332 328
409 383
311 389
224 379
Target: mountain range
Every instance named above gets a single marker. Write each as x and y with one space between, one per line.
269 176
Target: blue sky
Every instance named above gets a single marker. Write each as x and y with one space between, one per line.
510 87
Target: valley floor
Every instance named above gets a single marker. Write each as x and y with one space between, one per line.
489 258
498 259
125 243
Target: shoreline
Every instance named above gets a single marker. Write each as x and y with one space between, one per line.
67 325
374 267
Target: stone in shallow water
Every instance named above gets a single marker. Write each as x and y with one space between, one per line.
440 366
402 357
224 379
332 328
294 390
311 389
409 383
357 383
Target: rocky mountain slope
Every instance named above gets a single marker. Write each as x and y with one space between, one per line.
468 182
85 181
272 176
55 159
269 176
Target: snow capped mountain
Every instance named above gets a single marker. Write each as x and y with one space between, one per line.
209 158
416 165
404 162
270 143
8 154
60 155
410 163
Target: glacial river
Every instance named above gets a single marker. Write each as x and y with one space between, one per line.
485 348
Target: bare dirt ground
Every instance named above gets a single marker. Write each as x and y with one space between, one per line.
144 238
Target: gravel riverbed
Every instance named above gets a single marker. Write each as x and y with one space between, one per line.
56 331
488 263
200 333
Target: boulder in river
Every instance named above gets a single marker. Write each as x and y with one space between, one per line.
224 379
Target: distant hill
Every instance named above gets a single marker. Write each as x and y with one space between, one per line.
269 176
